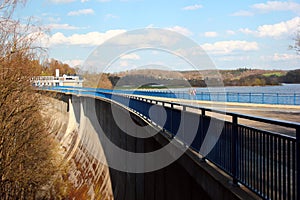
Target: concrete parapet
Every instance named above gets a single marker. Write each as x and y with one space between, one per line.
186 178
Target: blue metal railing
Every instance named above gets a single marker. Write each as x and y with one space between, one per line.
239 97
267 163
263 161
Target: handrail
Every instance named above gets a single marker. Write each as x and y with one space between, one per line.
241 97
251 156
288 124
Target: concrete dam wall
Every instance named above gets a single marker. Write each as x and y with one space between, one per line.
85 124
89 177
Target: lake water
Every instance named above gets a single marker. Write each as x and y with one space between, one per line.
286 94
286 88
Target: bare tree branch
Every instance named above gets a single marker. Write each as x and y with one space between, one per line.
29 158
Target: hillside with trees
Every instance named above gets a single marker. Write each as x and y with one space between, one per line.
238 77
291 77
48 68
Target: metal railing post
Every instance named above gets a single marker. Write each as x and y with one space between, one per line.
202 128
234 156
298 162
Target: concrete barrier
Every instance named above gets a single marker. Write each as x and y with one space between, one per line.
186 178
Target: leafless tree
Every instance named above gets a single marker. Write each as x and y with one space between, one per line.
30 163
296 45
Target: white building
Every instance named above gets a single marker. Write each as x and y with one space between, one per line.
65 80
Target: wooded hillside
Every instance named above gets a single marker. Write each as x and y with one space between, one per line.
238 77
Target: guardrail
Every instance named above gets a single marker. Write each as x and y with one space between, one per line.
239 97
265 162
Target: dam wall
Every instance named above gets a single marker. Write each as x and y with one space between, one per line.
91 120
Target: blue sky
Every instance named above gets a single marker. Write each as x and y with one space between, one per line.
244 33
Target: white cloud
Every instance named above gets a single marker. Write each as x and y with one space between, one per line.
243 13
111 16
62 27
181 30
277 6
83 1
193 7
57 38
54 20
61 1
225 47
246 31
227 58
74 63
283 57
211 34
131 56
81 12
269 6
124 63
147 37
88 39
150 26
275 30
230 32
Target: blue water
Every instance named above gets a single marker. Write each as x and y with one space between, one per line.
285 88
287 94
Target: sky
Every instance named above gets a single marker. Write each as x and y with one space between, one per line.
234 34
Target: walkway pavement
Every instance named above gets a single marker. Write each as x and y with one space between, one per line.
277 112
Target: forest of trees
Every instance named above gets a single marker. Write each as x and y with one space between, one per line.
48 68
291 77
238 77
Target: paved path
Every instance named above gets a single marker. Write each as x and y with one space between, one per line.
278 112
281 112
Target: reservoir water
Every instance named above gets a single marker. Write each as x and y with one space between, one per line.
285 88
286 94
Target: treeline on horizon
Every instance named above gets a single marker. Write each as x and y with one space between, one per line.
47 68
291 77
238 77
268 78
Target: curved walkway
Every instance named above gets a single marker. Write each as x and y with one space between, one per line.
277 112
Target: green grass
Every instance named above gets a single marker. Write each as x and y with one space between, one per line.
278 74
